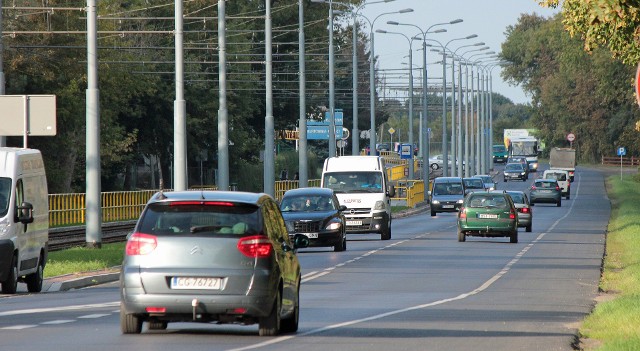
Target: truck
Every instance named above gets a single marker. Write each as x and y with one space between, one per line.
24 219
522 143
563 158
361 184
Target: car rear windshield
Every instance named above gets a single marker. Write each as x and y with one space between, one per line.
474 183
546 184
189 219
557 176
488 200
517 198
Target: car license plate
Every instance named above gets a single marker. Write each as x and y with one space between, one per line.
195 283
354 222
487 215
545 191
447 206
311 235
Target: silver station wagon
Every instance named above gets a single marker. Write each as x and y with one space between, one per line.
211 257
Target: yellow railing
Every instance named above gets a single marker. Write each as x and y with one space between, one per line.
411 191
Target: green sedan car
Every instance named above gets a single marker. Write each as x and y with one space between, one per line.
488 214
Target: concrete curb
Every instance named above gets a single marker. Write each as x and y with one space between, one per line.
66 283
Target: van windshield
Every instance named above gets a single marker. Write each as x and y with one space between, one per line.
353 182
5 192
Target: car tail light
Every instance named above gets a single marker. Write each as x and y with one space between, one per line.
156 309
557 188
524 210
257 246
463 213
141 244
512 215
533 187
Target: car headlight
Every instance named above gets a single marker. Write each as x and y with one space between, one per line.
379 205
460 201
523 173
333 226
505 174
435 202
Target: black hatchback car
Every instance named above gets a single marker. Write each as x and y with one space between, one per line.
211 257
317 214
514 171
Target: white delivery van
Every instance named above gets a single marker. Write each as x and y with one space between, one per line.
24 219
361 184
564 180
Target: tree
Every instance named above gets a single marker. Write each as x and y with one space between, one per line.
609 23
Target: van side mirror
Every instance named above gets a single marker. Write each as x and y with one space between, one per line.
392 191
342 208
24 214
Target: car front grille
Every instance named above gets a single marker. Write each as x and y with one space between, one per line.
307 227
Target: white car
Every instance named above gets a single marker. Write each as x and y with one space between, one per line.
436 162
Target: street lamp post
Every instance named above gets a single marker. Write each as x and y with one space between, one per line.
372 83
411 162
425 147
445 158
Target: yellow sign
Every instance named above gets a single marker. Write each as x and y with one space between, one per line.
289 134
391 130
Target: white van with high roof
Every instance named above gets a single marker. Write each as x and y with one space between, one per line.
361 184
24 219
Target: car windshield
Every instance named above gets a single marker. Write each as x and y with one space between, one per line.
5 191
499 149
487 200
305 203
447 189
517 197
208 219
354 182
474 183
513 167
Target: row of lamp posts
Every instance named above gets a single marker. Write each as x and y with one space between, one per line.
462 130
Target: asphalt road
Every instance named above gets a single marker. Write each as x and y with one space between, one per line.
421 290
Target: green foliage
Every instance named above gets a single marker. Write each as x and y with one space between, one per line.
588 94
82 259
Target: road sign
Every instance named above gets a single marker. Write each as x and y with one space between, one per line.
35 112
338 116
320 131
571 137
622 151
391 130
405 151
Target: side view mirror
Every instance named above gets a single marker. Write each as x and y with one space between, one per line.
342 208
24 213
392 191
300 241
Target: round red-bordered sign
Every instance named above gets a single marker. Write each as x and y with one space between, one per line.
571 137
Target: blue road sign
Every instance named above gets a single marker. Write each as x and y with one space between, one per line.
337 115
622 151
320 131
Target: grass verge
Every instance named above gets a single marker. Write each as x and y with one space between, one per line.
615 324
81 259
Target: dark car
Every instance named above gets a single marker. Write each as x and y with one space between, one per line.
525 213
211 257
520 159
514 171
488 214
447 194
473 184
317 214
545 191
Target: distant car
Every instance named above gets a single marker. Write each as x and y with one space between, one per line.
545 191
525 214
437 162
447 195
563 178
488 214
383 147
211 257
487 180
520 159
514 171
316 214
473 184
499 153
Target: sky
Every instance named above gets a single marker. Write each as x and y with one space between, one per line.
488 19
